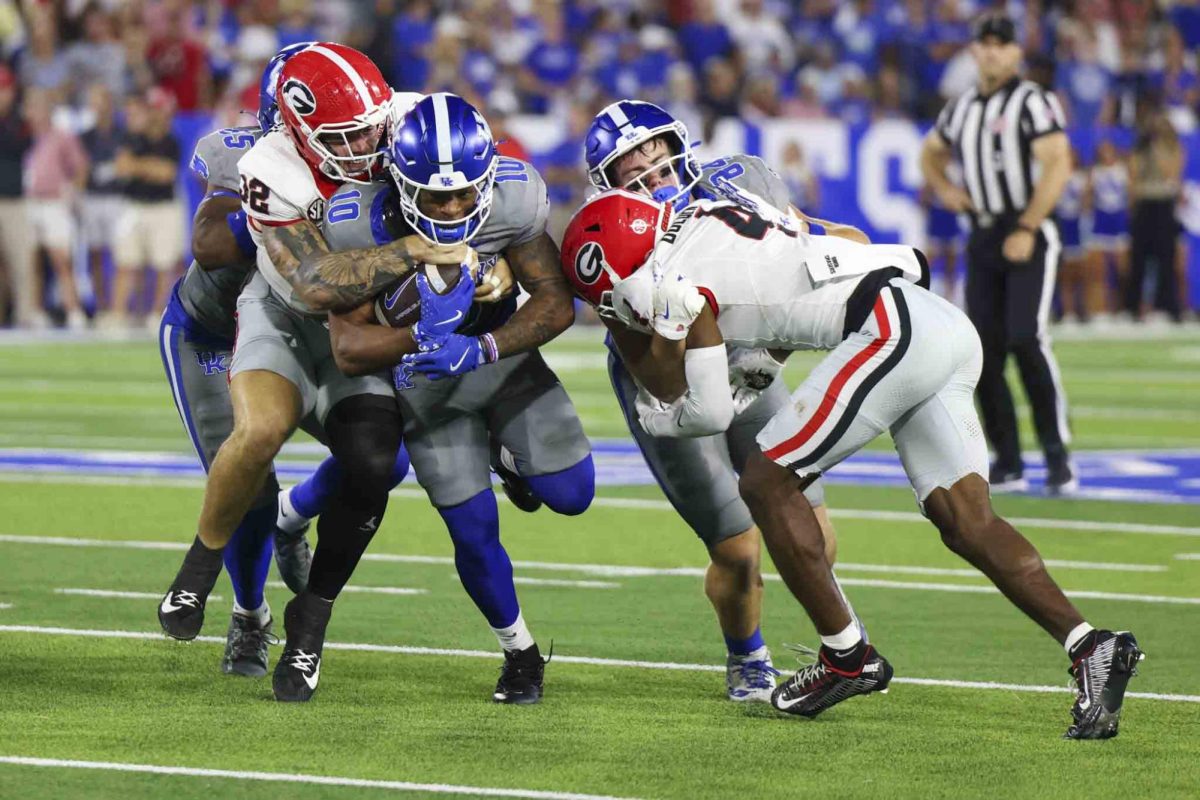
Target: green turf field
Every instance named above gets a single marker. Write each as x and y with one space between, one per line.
635 697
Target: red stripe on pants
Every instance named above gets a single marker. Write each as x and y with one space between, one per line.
835 387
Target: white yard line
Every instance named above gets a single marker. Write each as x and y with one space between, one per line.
559 582
565 659
5 606
316 780
1187 556
633 571
108 593
352 589
1091 526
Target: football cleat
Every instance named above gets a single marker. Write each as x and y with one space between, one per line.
1101 675
181 613
516 488
521 677
1006 479
246 647
1061 479
750 677
293 558
299 668
821 685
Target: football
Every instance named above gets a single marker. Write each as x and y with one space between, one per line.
399 306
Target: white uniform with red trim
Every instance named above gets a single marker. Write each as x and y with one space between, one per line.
907 362
276 332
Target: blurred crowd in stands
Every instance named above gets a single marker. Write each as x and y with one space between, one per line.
93 96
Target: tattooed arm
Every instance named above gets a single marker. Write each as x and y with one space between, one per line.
550 309
327 281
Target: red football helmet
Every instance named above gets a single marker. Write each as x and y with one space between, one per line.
608 239
333 101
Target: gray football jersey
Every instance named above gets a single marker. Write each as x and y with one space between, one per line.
210 296
748 173
363 216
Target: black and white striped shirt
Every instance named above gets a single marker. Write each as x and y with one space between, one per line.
991 136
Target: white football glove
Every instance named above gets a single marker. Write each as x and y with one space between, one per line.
653 414
750 373
632 302
677 303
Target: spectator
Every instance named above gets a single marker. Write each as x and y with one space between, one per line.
16 267
103 204
297 23
1179 83
760 100
98 57
565 183
179 64
1156 172
412 34
42 65
681 93
761 39
704 37
1084 82
719 97
151 230
550 65
827 78
1108 200
55 170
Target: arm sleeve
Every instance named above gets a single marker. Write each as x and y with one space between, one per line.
707 406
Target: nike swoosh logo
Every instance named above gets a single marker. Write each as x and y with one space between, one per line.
390 300
784 705
167 606
316 676
459 363
457 316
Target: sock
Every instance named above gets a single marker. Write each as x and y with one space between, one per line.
262 614
514 637
310 496
862 629
248 556
308 613
201 566
844 641
289 520
569 491
483 565
744 647
1077 635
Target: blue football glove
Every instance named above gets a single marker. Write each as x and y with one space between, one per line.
446 356
442 313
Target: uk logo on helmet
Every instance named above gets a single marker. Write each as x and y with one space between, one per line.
589 263
299 97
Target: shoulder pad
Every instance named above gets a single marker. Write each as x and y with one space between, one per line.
216 155
520 208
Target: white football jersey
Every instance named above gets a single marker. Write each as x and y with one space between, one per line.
280 188
769 287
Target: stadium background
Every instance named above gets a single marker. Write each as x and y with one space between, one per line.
834 95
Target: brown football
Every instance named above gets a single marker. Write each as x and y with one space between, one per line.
399 306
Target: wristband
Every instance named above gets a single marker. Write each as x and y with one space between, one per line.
224 193
241 232
487 344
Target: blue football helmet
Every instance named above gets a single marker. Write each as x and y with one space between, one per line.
442 144
268 108
627 125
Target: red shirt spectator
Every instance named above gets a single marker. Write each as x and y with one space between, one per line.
180 65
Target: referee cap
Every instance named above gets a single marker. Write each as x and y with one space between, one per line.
995 24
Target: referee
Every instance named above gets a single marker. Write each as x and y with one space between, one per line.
1007 134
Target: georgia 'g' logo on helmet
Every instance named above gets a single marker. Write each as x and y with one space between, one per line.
298 97
589 263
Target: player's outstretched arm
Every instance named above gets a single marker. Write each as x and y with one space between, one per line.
338 282
700 363
361 346
214 244
550 309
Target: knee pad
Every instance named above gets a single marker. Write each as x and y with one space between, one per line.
569 491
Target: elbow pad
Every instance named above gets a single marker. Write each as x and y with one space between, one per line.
707 406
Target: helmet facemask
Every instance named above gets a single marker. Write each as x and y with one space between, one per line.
451 231
353 167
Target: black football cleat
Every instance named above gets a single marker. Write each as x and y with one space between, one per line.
293 558
521 677
1061 479
246 647
516 488
1101 674
181 611
1003 478
299 668
821 685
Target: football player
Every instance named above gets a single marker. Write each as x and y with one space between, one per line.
333 103
196 343
462 386
901 359
640 147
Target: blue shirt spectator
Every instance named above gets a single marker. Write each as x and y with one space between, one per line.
704 37
412 33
